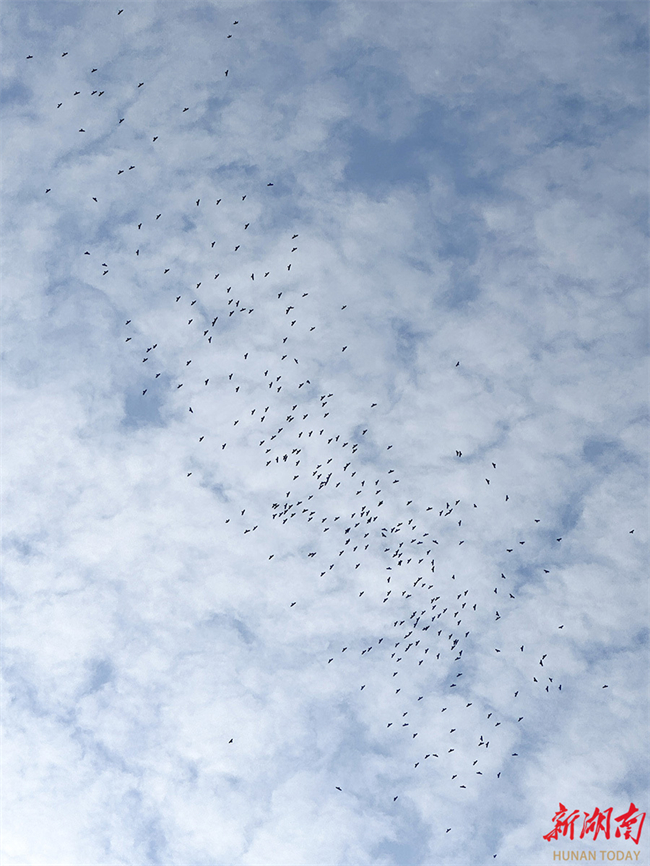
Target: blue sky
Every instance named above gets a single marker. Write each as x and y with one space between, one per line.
258 474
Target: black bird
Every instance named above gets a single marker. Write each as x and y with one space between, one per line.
64 54
269 184
48 190
94 70
30 57
141 84
155 138
197 201
226 73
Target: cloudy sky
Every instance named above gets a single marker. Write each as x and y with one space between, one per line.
325 430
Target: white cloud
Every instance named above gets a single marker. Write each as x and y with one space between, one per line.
465 185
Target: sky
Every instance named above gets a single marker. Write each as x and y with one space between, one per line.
325 455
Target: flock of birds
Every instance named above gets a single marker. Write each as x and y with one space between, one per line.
248 351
